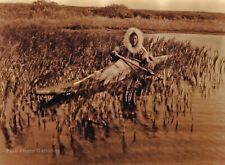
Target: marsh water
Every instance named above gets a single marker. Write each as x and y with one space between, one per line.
198 137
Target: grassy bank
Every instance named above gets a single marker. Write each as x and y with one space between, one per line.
112 17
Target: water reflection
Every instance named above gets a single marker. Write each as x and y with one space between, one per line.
149 111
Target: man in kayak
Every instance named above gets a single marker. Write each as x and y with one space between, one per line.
133 48
133 57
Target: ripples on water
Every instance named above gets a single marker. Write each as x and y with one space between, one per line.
155 133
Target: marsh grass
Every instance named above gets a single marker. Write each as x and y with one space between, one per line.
39 52
36 56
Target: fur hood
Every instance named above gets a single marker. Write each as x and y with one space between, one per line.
126 40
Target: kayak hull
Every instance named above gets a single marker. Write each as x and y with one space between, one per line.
113 73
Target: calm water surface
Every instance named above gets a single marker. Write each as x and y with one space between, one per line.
200 138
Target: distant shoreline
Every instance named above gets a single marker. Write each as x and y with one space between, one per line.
114 17
150 31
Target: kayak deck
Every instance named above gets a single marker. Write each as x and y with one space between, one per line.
113 73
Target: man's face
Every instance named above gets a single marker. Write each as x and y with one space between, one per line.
133 40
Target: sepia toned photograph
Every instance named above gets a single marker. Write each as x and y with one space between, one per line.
112 82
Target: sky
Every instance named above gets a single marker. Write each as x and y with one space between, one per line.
182 5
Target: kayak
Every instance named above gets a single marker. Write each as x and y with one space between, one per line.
113 73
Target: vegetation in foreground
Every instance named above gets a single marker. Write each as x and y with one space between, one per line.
35 53
36 57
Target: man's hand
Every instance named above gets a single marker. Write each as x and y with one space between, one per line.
150 73
114 53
